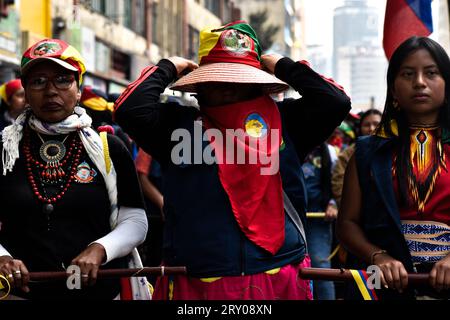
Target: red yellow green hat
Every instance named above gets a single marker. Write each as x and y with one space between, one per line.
57 51
230 53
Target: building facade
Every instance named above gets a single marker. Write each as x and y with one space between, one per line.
288 16
359 64
117 38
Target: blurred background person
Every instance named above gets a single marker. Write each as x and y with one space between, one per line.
13 102
317 171
150 178
368 122
100 110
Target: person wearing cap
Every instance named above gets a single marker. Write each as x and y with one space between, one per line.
65 199
13 98
100 109
224 217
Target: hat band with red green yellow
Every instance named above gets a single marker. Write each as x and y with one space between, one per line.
235 42
57 51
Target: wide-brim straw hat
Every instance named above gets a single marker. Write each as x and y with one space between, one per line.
230 54
229 72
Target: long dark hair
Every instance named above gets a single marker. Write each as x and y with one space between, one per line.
390 113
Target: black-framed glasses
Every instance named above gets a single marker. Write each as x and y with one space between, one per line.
62 82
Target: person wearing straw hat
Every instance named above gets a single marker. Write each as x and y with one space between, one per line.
69 196
13 98
225 165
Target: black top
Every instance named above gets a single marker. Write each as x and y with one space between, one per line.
48 242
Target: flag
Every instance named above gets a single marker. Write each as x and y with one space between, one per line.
361 278
403 19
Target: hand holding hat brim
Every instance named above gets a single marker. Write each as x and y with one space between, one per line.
230 72
183 66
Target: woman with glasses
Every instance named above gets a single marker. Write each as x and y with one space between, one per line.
69 196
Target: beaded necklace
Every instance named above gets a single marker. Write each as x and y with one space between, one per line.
51 176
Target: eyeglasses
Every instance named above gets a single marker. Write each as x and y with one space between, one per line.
62 82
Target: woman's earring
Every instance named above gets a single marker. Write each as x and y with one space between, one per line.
395 105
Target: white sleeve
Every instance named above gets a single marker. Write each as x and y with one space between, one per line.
130 232
4 252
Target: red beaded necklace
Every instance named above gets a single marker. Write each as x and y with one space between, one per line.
40 175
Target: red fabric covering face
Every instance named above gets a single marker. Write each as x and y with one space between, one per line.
256 199
404 19
283 285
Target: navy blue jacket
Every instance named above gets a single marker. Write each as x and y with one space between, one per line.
200 230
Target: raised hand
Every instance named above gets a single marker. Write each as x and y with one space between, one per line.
183 65
269 61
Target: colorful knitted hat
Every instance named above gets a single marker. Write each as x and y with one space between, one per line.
230 53
57 51
9 88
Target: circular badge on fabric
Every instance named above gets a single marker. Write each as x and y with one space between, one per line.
84 173
255 126
235 42
45 49
5 287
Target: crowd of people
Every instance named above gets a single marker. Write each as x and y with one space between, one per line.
244 189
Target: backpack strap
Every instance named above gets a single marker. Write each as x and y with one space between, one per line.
104 137
294 216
